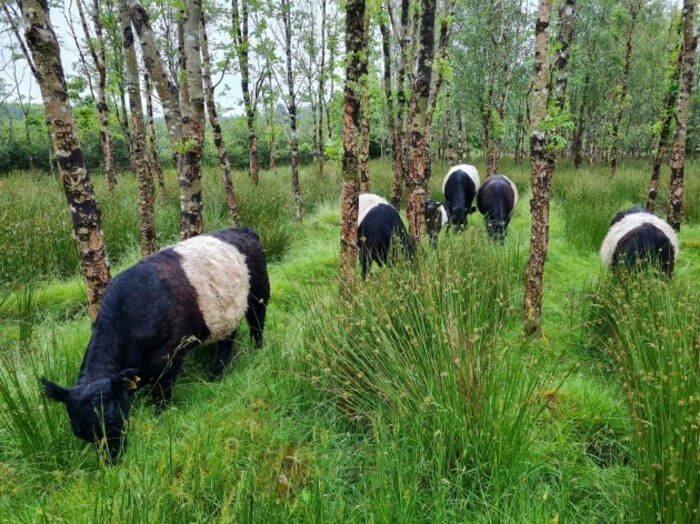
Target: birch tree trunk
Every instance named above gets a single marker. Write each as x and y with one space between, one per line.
166 88
354 39
460 137
665 133
292 109
634 8
191 181
365 108
97 52
155 162
690 43
242 45
539 205
419 124
394 142
85 211
147 223
216 127
400 167
446 16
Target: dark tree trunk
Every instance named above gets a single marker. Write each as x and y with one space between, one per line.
668 115
85 211
321 94
354 39
419 122
394 140
690 43
292 109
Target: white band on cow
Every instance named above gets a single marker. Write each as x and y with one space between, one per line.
219 274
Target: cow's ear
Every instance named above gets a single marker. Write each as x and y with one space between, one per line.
54 391
126 379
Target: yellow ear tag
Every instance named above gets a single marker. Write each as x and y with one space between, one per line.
137 379
131 384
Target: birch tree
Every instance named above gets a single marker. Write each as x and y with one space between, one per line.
690 43
354 39
139 152
44 54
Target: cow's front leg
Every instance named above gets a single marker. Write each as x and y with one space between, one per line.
223 356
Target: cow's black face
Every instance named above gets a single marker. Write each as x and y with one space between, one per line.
497 229
98 412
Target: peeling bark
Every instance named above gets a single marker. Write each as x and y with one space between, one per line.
365 109
354 40
139 153
85 211
670 98
690 43
153 144
191 176
539 205
419 124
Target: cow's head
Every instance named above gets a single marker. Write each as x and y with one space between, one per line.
459 216
497 229
98 411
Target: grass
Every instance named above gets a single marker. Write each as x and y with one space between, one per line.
417 401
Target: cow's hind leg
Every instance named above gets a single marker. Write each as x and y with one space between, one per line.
224 355
257 309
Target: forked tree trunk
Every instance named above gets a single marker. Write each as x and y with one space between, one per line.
85 211
224 163
668 115
292 109
355 16
365 109
539 205
97 51
419 124
191 179
147 223
690 43
242 45
153 143
634 8
166 88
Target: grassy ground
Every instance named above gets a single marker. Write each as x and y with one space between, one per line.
419 401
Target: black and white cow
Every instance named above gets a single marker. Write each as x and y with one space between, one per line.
435 218
378 223
196 291
496 200
460 186
638 237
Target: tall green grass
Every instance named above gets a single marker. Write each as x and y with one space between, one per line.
429 354
653 339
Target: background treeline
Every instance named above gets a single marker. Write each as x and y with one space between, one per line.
483 108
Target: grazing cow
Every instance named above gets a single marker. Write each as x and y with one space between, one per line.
152 313
378 223
460 186
435 218
638 237
496 200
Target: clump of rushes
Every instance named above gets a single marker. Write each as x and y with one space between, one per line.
435 349
654 341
